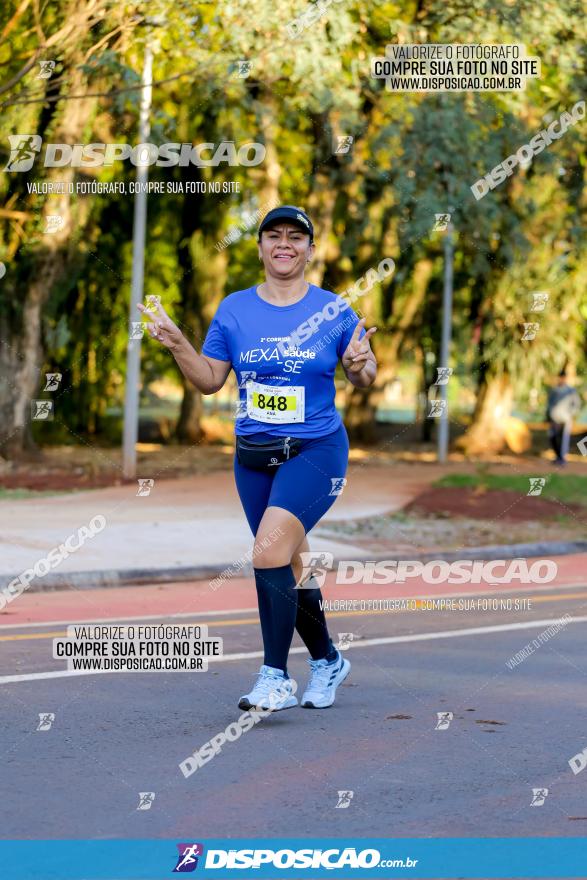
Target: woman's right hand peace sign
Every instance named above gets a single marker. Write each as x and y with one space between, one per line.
162 327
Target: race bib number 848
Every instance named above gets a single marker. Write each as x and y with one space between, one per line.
275 405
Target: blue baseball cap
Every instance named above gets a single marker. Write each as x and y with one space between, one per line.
287 214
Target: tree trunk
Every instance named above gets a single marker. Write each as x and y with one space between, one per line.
486 434
423 401
362 403
189 428
203 283
21 355
322 200
267 113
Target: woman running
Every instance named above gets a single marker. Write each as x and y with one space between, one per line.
283 339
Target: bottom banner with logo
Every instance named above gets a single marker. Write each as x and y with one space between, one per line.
293 857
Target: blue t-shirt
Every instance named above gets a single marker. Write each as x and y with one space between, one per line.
295 347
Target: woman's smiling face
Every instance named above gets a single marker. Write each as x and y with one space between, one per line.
285 249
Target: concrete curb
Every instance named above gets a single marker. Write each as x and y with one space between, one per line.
91 580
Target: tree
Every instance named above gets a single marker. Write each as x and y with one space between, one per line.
41 260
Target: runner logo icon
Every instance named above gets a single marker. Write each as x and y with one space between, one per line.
316 564
188 857
23 151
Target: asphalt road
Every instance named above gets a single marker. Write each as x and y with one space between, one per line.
116 735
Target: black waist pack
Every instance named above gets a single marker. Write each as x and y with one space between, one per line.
267 453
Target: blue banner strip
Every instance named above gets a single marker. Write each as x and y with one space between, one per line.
223 858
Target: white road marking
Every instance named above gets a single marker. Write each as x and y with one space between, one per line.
361 643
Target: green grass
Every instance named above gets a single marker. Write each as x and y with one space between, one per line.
15 494
570 488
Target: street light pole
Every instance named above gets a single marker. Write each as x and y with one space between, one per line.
133 351
447 292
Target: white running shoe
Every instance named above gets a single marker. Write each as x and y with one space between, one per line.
272 691
324 680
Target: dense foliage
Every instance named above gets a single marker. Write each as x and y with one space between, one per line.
64 297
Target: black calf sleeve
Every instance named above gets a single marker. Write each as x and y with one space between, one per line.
278 602
311 624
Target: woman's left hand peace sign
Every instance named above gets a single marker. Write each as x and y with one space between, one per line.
358 350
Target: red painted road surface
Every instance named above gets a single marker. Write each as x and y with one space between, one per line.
195 597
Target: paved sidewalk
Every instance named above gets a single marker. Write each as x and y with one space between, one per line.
196 521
